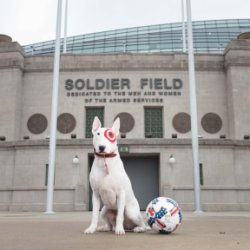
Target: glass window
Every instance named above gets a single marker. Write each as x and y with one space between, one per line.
153 122
138 38
109 49
91 112
131 48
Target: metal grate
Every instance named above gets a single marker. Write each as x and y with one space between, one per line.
91 112
153 122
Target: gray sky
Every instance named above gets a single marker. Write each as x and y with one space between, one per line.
31 21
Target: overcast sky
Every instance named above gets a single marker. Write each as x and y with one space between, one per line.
31 21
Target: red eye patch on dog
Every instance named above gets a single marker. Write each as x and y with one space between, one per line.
110 135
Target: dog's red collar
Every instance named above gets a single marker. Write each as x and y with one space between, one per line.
105 155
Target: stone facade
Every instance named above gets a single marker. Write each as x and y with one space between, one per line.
125 83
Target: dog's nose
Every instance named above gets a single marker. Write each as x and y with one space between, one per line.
102 148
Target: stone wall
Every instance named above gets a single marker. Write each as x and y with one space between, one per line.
225 173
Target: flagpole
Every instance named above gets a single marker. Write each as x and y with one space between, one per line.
193 108
53 122
183 27
65 27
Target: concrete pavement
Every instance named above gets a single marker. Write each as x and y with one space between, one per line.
64 231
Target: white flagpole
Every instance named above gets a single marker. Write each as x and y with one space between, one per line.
65 27
183 26
53 123
193 108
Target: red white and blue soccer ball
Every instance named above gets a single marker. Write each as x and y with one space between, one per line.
163 215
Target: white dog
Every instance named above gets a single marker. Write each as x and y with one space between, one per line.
111 185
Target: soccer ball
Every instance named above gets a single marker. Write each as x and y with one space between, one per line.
164 215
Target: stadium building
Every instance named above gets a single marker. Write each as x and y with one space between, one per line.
141 75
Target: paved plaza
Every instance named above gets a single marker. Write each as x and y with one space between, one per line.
64 231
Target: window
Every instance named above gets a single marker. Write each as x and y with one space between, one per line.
91 112
153 122
138 39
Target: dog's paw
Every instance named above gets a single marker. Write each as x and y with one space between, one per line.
139 229
90 230
104 228
119 231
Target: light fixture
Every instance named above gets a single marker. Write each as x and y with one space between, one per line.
171 160
148 135
174 136
246 137
73 136
123 136
76 160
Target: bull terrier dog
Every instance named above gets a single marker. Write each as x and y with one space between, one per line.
111 185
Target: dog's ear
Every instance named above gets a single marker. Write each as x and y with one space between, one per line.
96 124
116 126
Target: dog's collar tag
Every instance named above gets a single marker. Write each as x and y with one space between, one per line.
110 135
106 166
104 156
